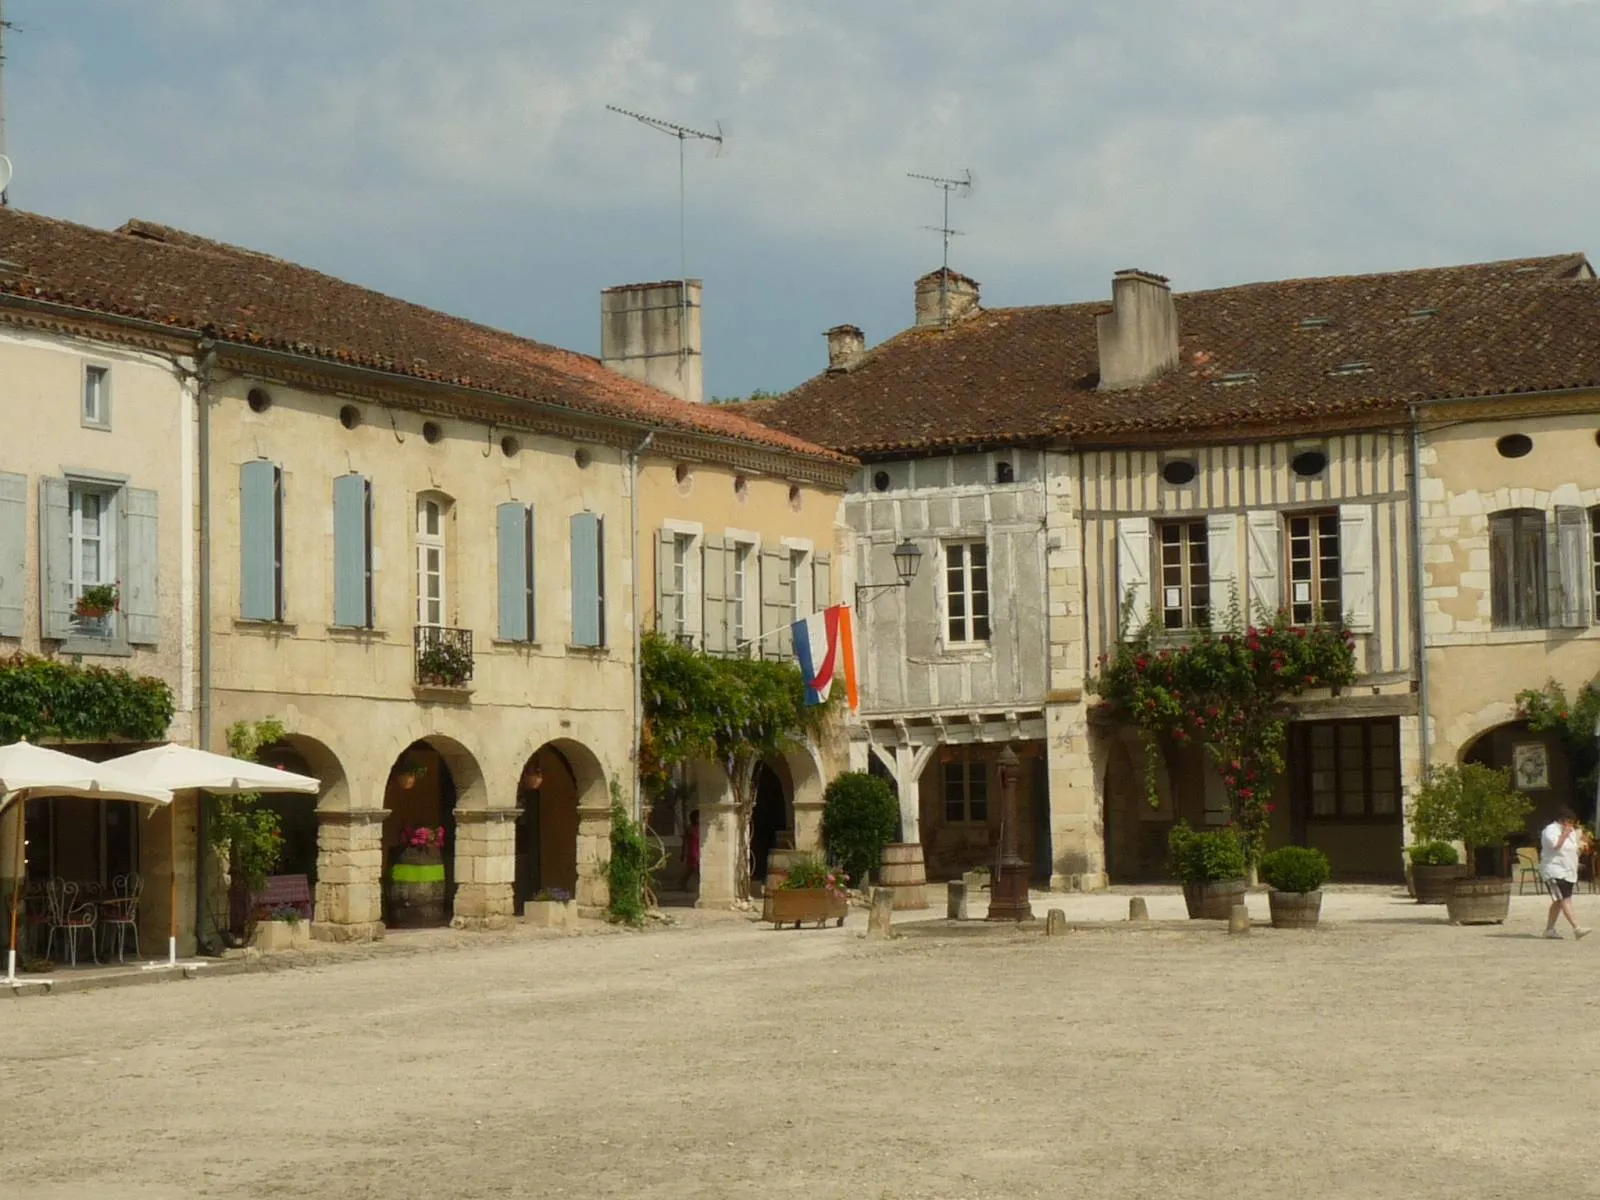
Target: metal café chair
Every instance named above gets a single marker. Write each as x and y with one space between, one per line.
119 915
71 918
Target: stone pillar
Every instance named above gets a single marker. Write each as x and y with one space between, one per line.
486 868
349 899
156 867
1077 831
807 827
594 852
719 855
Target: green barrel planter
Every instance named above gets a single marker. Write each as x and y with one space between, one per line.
417 889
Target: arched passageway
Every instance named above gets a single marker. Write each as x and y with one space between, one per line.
1540 768
772 814
419 831
560 780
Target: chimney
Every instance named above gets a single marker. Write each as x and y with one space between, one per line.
960 297
846 343
1139 336
651 332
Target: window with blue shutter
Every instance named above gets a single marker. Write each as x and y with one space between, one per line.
13 552
514 535
588 580
260 541
352 552
141 601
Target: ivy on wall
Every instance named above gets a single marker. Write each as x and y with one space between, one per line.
45 698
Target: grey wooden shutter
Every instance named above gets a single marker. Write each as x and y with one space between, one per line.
1356 566
13 552
715 565
515 576
1265 538
776 611
1502 568
586 581
1531 581
141 601
55 559
1133 571
352 552
821 581
259 545
668 599
1222 559
1572 562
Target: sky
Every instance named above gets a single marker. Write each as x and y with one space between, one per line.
459 154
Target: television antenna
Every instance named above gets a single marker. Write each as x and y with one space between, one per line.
962 187
683 133
5 163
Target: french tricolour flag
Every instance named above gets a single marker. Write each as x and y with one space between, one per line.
824 646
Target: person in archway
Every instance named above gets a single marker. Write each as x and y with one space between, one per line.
1558 865
691 851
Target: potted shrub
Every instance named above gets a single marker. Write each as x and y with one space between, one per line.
860 816
1435 867
1296 875
551 908
1212 867
1476 806
417 879
814 891
97 601
444 664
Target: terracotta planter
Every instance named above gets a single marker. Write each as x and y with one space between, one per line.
1213 900
1479 901
1431 885
1295 910
795 906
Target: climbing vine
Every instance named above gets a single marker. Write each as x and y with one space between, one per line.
1226 692
1548 710
241 832
46 698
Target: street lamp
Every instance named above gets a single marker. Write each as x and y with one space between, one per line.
907 558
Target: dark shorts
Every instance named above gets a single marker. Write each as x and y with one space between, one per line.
1559 889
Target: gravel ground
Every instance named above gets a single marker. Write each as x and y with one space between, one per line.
1387 1054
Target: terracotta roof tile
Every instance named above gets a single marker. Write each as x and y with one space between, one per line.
155 273
1253 355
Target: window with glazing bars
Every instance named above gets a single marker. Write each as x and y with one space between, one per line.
1518 592
1314 568
966 792
1185 575
1353 769
967 591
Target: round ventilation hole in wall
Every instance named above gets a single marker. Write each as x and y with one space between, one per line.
1308 463
681 472
349 416
741 485
582 458
1514 445
259 400
1178 472
509 446
431 433
880 481
794 496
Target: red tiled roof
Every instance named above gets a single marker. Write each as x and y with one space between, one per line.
1256 355
154 273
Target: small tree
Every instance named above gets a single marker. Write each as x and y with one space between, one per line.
1468 803
243 833
860 816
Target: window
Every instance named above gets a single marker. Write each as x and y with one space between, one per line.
1517 569
430 560
97 397
1594 559
966 792
352 552
1314 568
1352 769
743 556
682 547
967 591
1185 575
260 541
92 536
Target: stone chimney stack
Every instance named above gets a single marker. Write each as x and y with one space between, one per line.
651 332
846 343
960 296
1139 336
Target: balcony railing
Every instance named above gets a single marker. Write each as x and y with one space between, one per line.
443 656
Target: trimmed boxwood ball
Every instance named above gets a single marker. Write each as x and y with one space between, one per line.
1433 854
860 816
1205 857
1295 869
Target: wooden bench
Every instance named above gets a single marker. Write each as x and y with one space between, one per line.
284 891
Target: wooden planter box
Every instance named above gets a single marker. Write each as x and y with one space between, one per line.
1479 901
1295 910
1213 900
271 936
795 906
548 914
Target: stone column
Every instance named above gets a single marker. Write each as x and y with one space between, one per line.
594 852
349 899
1077 831
807 827
156 867
486 868
719 854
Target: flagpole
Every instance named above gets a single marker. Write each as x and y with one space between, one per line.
756 641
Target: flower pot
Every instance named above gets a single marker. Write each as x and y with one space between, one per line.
1295 910
794 906
417 888
1479 901
1432 884
1213 900
272 936
547 914
407 782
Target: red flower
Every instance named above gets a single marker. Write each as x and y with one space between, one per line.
1270 807
1247 792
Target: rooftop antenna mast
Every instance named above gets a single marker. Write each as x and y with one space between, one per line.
963 187
5 163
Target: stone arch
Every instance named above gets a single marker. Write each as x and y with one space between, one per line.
1540 768
300 816
435 782
562 836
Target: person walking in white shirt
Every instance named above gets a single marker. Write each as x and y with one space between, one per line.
1558 866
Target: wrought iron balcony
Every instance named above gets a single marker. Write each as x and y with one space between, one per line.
443 656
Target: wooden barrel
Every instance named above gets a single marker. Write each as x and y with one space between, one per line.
1294 910
1214 900
778 864
903 872
417 889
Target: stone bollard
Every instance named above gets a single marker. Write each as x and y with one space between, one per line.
1055 923
1239 919
880 920
956 901
1138 910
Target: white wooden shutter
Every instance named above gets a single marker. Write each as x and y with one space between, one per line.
716 564
1572 561
141 601
821 581
55 558
1222 557
1133 571
776 611
667 596
1356 566
1264 550
13 552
